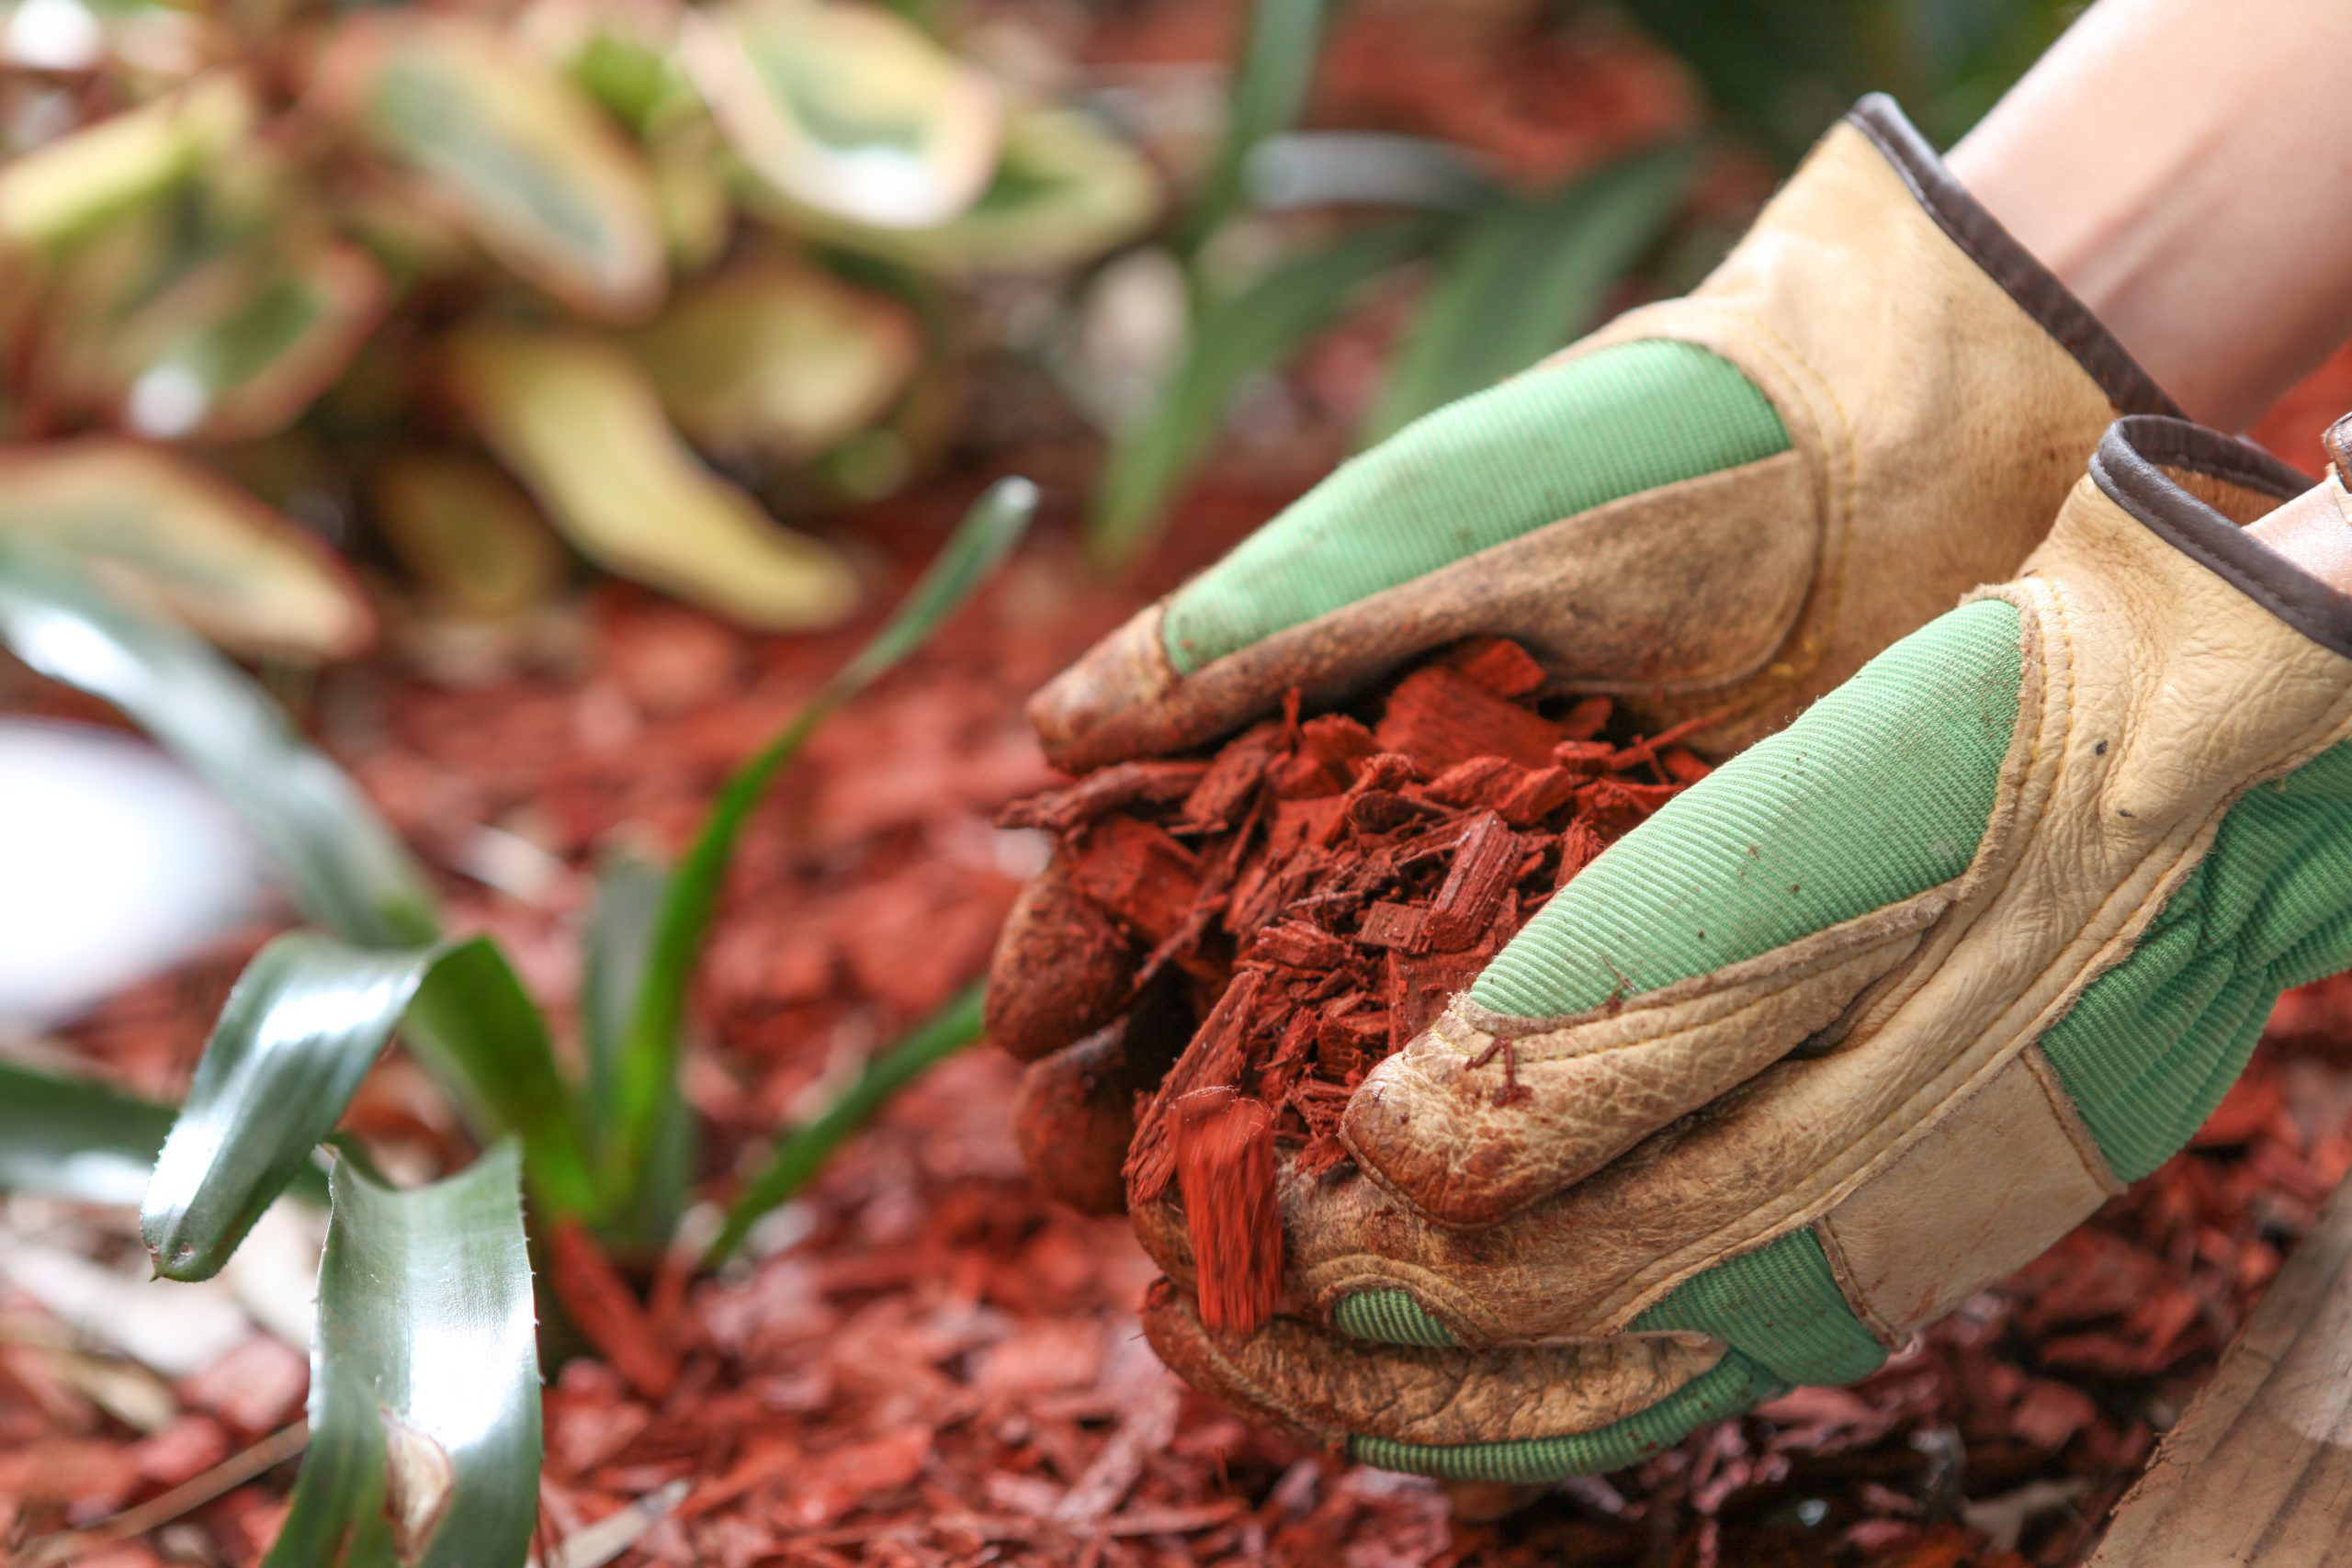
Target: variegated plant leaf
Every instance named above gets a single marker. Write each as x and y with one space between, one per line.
178 539
578 421
61 191
235 348
692 185
464 533
497 137
847 108
780 358
1066 191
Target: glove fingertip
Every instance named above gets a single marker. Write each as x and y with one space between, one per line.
1101 709
1194 1352
1062 969
1449 1130
1073 1119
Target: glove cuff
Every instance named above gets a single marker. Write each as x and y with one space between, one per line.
1942 385
2004 259
2153 468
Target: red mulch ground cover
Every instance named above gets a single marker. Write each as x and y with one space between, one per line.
930 1363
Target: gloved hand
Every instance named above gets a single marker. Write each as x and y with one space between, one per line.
1717 505
1852 1028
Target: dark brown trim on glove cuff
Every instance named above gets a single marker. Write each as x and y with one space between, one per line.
2034 286
2130 467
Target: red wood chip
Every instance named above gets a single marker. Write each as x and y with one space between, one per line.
1485 864
1393 925
597 1300
1330 750
1097 794
1139 874
1587 718
1441 717
1221 797
1373 873
1225 1162
1498 664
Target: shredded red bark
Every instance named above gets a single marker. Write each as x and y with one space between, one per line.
929 1363
1332 881
1225 1166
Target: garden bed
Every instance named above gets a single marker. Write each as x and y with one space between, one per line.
930 1362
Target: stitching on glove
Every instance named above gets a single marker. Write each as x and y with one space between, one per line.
1832 583
1827 443
2070 1118
1325 1283
1885 1333
1784 968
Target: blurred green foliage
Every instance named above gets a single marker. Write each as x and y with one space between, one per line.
441 285
1517 272
1780 72
425 1293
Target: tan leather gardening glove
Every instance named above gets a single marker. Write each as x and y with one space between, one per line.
1852 1028
1718 504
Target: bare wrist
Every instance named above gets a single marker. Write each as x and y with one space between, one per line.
2181 167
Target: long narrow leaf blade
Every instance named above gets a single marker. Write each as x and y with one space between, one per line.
1269 91
801 1151
630 890
306 1020
979 545
1233 339
648 1056
341 865
629 894
477 1029
89 1141
73 1138
425 1379
1526 279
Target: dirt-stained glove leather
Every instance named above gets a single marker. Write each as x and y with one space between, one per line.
1852 1028
1717 505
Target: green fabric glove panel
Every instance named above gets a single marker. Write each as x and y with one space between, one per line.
1879 791
2155 1042
1733 1384
1779 1303
1391 1317
1481 472
1779 1308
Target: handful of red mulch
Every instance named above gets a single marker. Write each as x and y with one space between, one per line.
1327 883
